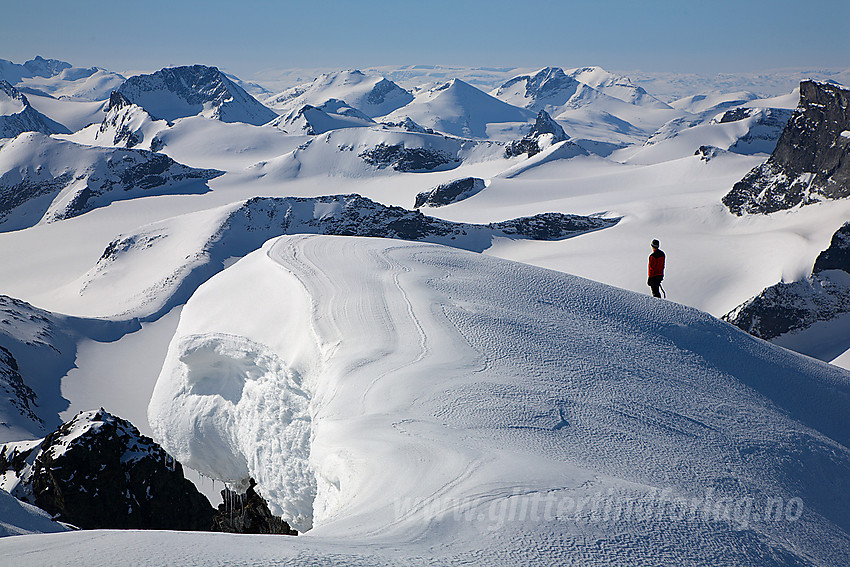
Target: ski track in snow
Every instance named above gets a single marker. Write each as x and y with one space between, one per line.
444 385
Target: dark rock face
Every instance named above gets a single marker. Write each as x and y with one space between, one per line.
13 389
247 513
449 193
790 307
97 471
118 119
811 161
544 125
410 126
405 159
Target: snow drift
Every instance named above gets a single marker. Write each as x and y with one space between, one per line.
413 396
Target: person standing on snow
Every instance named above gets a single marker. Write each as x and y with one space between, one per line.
656 269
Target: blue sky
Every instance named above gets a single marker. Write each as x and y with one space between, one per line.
247 36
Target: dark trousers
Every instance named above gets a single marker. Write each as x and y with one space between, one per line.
655 284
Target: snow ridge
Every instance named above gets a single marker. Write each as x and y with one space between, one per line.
455 378
190 249
178 92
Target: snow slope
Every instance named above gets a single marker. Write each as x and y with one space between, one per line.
58 79
19 518
46 180
178 92
371 94
459 109
401 395
146 273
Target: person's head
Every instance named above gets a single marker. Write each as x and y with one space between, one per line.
655 244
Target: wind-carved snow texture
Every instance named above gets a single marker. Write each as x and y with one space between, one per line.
17 116
48 180
178 92
443 385
796 307
237 384
188 250
811 161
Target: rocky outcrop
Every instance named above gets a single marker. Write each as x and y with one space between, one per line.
792 307
47 180
811 161
178 92
97 471
125 123
545 133
401 158
247 513
448 193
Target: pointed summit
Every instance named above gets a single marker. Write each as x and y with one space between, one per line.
458 108
179 92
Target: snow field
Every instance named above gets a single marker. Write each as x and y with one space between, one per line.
442 385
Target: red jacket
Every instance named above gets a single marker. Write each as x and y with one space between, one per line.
656 264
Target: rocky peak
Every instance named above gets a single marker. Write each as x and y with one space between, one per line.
543 134
178 92
811 161
117 101
97 471
41 67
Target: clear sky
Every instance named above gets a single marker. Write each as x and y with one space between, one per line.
247 36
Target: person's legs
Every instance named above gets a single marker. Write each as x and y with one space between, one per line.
655 286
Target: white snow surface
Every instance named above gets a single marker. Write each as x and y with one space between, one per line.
371 94
396 394
20 518
459 109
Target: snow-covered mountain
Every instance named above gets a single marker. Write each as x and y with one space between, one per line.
58 79
178 92
811 161
416 387
459 109
469 384
127 125
617 86
809 315
47 180
365 152
549 89
17 116
189 250
333 115
371 94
